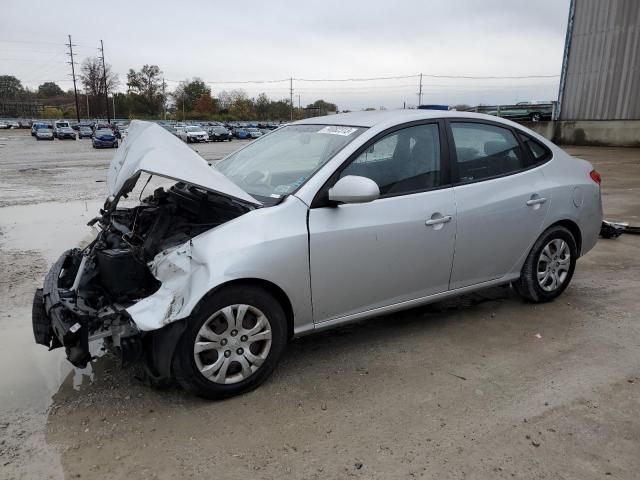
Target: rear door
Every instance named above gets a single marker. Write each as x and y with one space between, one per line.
501 200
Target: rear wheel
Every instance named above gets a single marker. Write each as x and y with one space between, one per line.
549 267
232 344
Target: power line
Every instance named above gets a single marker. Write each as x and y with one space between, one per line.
397 77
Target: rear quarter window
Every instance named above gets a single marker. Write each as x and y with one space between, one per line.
539 153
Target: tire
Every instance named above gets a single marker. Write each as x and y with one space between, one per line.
265 352
540 280
536 117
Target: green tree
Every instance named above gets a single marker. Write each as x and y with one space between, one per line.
10 86
145 87
188 92
49 89
325 107
51 112
262 106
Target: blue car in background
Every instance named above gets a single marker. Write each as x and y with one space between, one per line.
104 139
241 133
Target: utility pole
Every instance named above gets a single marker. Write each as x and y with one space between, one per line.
420 92
73 74
104 79
299 101
291 94
164 99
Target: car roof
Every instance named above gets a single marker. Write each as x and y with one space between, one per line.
373 118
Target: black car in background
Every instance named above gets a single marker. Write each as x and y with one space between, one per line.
104 138
219 134
65 132
85 132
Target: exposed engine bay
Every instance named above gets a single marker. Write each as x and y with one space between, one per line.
87 291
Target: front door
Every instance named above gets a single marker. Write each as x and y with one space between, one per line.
396 248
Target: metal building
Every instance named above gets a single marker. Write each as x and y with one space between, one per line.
601 67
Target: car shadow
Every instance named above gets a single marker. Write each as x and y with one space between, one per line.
105 371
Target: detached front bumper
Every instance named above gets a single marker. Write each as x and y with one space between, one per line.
62 318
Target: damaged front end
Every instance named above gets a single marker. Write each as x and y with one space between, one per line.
86 293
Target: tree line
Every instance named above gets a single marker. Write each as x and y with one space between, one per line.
147 97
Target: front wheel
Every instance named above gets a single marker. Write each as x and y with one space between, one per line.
548 269
232 343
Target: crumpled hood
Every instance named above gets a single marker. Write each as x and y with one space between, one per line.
150 148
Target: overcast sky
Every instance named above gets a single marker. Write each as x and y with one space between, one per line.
328 39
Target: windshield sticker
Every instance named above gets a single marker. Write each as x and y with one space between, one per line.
336 130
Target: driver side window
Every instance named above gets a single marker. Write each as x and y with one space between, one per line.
403 162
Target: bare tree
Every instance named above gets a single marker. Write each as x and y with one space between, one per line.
91 76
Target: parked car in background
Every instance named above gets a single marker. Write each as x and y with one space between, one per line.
65 132
5 126
327 221
254 132
36 125
104 139
44 133
241 133
523 111
193 134
85 132
219 134
57 125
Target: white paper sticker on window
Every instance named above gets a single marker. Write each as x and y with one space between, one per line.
337 130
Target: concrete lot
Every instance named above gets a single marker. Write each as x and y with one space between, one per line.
485 387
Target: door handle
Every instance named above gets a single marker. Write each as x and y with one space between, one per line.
438 220
536 201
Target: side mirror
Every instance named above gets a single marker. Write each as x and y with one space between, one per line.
354 189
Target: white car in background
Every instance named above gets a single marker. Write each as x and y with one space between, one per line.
193 134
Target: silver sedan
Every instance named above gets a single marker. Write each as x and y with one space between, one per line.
322 222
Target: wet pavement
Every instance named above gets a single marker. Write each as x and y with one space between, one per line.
481 387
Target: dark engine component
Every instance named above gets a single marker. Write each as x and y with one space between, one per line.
121 274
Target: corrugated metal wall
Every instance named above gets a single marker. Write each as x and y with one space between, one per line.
603 71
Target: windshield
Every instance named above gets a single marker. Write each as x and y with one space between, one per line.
193 129
279 163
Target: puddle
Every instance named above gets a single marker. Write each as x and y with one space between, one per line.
49 228
30 375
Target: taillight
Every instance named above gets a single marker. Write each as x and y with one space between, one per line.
595 176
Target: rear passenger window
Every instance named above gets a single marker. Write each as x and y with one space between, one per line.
485 151
539 153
